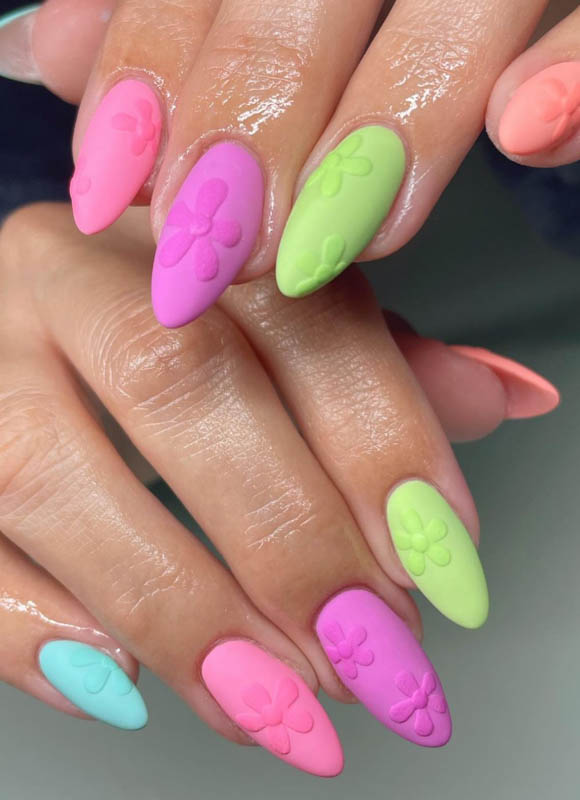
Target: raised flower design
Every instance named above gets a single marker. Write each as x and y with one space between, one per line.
339 161
419 700
557 104
198 230
100 670
347 650
141 125
321 271
80 183
278 714
418 541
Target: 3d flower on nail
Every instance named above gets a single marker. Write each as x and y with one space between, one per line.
418 541
557 104
278 715
142 127
347 650
100 670
321 270
338 162
80 183
199 230
420 699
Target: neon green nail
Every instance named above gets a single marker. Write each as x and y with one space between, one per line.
438 553
340 209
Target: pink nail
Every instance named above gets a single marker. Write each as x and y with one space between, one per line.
116 156
273 705
380 661
528 394
209 234
543 112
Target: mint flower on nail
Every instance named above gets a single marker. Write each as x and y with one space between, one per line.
142 127
420 699
347 650
100 670
559 105
323 270
338 162
277 715
418 542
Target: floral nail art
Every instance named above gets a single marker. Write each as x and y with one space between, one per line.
278 715
419 701
347 650
418 541
339 162
199 229
141 125
557 104
100 669
321 271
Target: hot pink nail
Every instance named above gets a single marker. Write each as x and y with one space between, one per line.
528 394
543 112
380 661
209 234
273 705
116 156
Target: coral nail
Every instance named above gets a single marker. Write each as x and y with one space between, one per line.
209 233
543 112
273 705
117 155
384 666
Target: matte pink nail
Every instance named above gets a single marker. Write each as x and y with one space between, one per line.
543 112
209 233
528 394
117 155
380 661
273 705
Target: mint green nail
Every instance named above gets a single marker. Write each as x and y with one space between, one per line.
340 209
93 682
19 12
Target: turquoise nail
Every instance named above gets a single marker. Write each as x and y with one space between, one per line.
19 12
93 682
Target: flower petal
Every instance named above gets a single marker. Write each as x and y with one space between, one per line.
83 657
401 712
333 632
180 216
436 530
121 683
256 697
406 682
423 723
561 127
333 653
428 683
412 521
211 196
227 232
350 145
124 122
332 249
306 286
205 259
298 719
331 182
356 166
348 668
96 678
364 657
415 562
439 555
138 145
279 739
144 108
402 539
357 635
251 722
286 693
175 248
437 703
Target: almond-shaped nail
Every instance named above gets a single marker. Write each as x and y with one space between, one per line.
384 666
116 156
438 552
209 233
543 112
273 705
340 209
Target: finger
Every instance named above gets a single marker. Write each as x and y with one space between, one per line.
534 110
44 631
408 116
277 71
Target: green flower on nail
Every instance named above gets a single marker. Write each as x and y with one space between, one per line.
321 271
419 541
338 162
99 670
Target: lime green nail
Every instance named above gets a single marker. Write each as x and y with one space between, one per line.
340 209
438 553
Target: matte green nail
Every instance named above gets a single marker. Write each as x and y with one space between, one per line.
340 209
438 553
94 683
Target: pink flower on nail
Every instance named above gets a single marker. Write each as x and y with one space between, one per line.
80 183
348 650
557 104
278 715
199 229
420 700
142 126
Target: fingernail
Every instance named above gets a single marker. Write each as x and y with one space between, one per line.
94 683
16 59
209 233
438 552
340 209
116 156
384 666
273 705
543 112
528 394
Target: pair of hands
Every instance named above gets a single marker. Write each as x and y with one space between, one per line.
213 407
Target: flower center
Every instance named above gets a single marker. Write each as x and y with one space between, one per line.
420 542
345 649
420 699
271 715
333 160
200 225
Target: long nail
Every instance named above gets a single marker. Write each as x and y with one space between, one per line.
94 683
117 155
209 233
438 552
528 394
384 666
273 705
16 59
340 209
543 112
